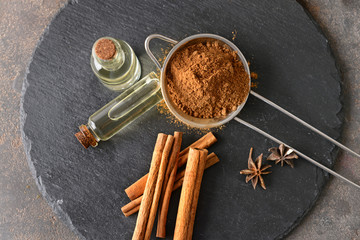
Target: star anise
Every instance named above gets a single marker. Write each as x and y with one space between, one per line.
282 154
255 170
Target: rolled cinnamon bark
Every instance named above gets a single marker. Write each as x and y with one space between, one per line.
137 188
173 159
195 200
183 217
168 186
144 211
159 184
211 160
181 174
137 207
133 206
129 208
204 142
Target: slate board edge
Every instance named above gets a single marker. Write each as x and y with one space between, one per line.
334 153
27 142
64 216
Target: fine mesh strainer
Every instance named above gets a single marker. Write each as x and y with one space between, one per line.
214 122
178 113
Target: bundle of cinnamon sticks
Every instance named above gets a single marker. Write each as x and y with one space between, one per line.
151 194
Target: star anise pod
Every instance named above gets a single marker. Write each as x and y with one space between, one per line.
255 170
282 154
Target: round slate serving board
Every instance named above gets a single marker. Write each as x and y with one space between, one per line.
86 187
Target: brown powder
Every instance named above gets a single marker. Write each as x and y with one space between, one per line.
254 84
234 33
207 80
105 49
254 75
164 110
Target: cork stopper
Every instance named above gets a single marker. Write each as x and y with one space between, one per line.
105 49
85 137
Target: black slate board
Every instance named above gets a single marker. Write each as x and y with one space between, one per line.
86 187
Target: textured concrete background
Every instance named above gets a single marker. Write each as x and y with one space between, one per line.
25 215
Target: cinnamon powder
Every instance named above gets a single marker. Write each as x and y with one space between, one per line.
105 49
207 80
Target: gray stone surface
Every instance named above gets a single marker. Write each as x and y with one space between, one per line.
23 212
336 214
85 187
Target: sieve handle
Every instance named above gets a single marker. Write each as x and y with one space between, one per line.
147 48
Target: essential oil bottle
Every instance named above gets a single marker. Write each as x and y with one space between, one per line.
115 64
121 111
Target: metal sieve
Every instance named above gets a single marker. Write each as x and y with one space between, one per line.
215 122
178 113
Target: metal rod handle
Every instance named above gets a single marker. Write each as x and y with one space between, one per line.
296 151
147 47
304 123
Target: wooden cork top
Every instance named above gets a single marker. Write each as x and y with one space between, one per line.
85 137
105 49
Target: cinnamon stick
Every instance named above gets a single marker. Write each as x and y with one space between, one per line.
168 186
129 208
144 211
133 206
196 194
180 174
186 197
137 188
173 158
136 208
205 142
211 160
159 184
178 183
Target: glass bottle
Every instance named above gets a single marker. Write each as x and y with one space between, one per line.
121 111
115 64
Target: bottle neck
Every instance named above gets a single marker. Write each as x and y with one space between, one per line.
113 63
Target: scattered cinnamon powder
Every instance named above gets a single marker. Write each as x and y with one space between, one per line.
254 75
207 80
105 49
254 84
164 53
234 33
